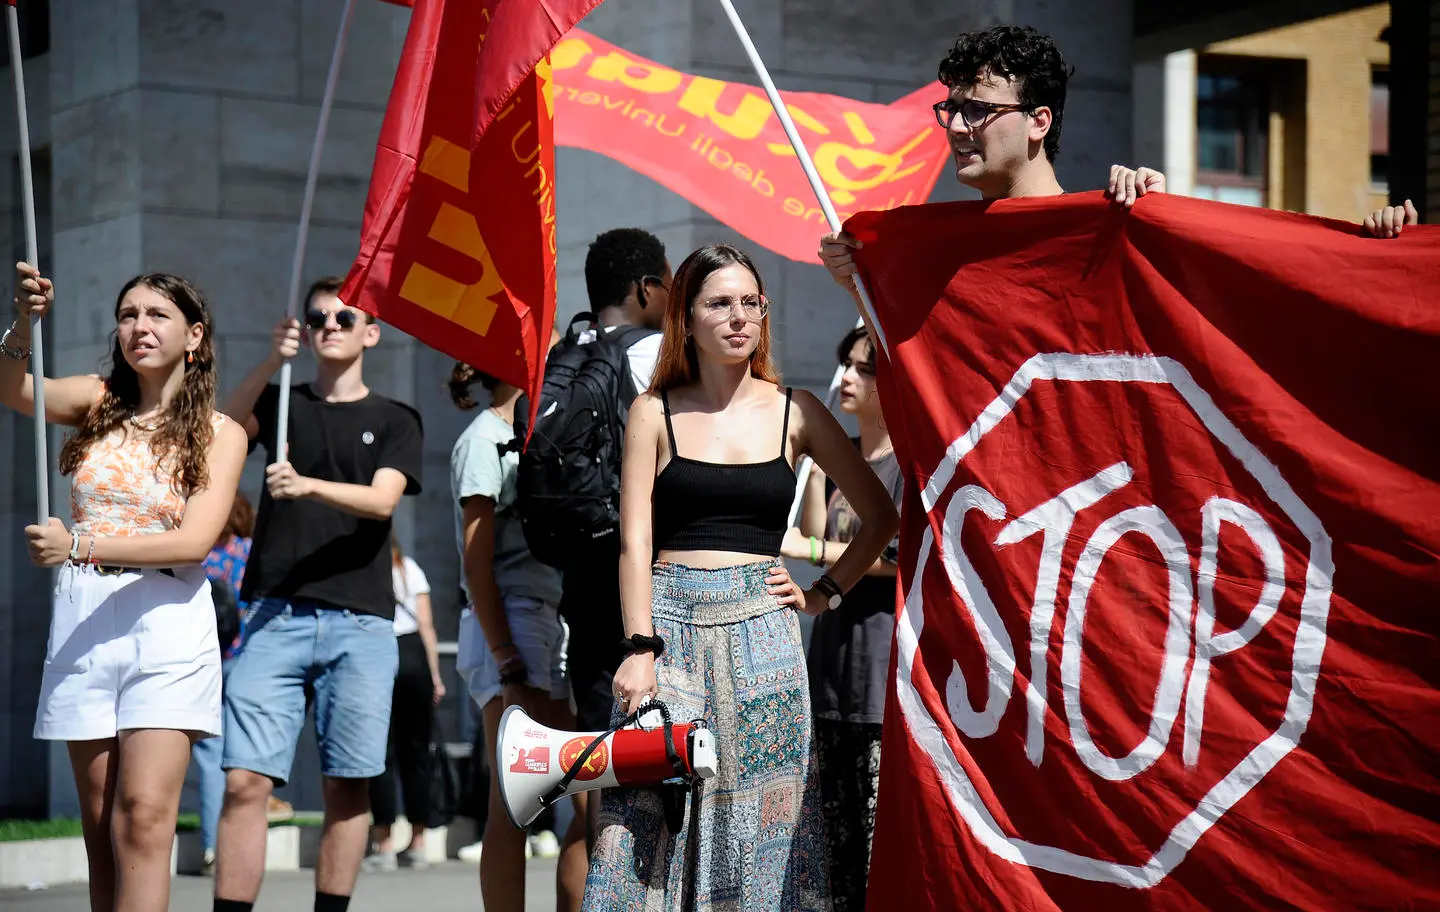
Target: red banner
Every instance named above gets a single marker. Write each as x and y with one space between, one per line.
1168 635
720 145
458 244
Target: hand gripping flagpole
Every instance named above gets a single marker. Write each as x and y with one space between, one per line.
32 256
292 301
818 186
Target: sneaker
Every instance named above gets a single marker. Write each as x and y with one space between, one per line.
543 845
470 854
277 811
379 863
415 861
207 863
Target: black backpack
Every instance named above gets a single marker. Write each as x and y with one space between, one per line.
568 483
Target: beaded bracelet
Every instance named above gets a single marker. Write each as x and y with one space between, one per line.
14 354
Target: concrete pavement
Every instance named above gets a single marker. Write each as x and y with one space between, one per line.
451 886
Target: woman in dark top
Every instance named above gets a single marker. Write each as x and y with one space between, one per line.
706 487
850 647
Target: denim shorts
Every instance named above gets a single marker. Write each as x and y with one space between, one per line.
297 648
539 635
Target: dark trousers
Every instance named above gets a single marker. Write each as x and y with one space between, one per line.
412 718
590 604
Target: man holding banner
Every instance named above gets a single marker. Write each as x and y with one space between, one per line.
1002 118
1164 640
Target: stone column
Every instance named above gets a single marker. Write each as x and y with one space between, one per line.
1180 123
1164 106
182 134
24 603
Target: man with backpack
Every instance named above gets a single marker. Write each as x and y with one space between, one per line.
569 476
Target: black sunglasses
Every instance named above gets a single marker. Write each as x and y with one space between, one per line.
345 319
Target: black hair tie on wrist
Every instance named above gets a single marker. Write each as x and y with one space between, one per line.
514 671
641 643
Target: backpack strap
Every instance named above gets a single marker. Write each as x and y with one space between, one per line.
572 332
669 428
785 427
626 336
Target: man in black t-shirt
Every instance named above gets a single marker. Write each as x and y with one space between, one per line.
322 603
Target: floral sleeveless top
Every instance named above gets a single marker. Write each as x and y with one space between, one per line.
122 489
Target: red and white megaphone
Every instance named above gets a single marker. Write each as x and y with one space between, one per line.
538 766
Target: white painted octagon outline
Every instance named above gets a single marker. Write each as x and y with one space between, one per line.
1310 637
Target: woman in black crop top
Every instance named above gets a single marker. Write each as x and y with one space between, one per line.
706 488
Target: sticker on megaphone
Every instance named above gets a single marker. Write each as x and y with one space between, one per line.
532 759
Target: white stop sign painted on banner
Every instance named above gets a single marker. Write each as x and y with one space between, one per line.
1126 605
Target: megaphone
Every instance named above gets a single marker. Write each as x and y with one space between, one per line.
538 766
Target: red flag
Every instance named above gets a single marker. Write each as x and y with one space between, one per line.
401 2
1167 636
458 243
720 145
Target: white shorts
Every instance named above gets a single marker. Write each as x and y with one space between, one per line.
135 650
540 636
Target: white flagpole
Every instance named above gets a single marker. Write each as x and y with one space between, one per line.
818 186
292 301
32 256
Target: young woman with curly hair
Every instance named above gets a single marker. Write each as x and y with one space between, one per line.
132 669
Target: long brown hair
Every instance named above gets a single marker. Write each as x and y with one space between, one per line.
678 364
185 430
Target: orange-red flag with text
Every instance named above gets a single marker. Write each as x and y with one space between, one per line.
458 243
720 145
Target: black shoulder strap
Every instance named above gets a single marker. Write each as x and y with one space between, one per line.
626 336
572 332
669 428
785 427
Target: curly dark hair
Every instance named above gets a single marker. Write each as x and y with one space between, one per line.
462 377
1019 53
618 259
183 437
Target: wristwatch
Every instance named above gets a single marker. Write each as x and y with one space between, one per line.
830 589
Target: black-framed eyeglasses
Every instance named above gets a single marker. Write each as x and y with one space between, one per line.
345 319
974 112
755 307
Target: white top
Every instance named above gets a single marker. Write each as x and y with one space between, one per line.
643 356
409 585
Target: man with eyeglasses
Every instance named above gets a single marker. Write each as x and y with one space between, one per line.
322 602
1003 117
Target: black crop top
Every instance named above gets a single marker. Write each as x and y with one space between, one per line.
711 506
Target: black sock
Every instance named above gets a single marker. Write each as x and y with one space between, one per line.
329 902
233 905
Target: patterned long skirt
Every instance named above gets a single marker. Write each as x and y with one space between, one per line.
733 658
